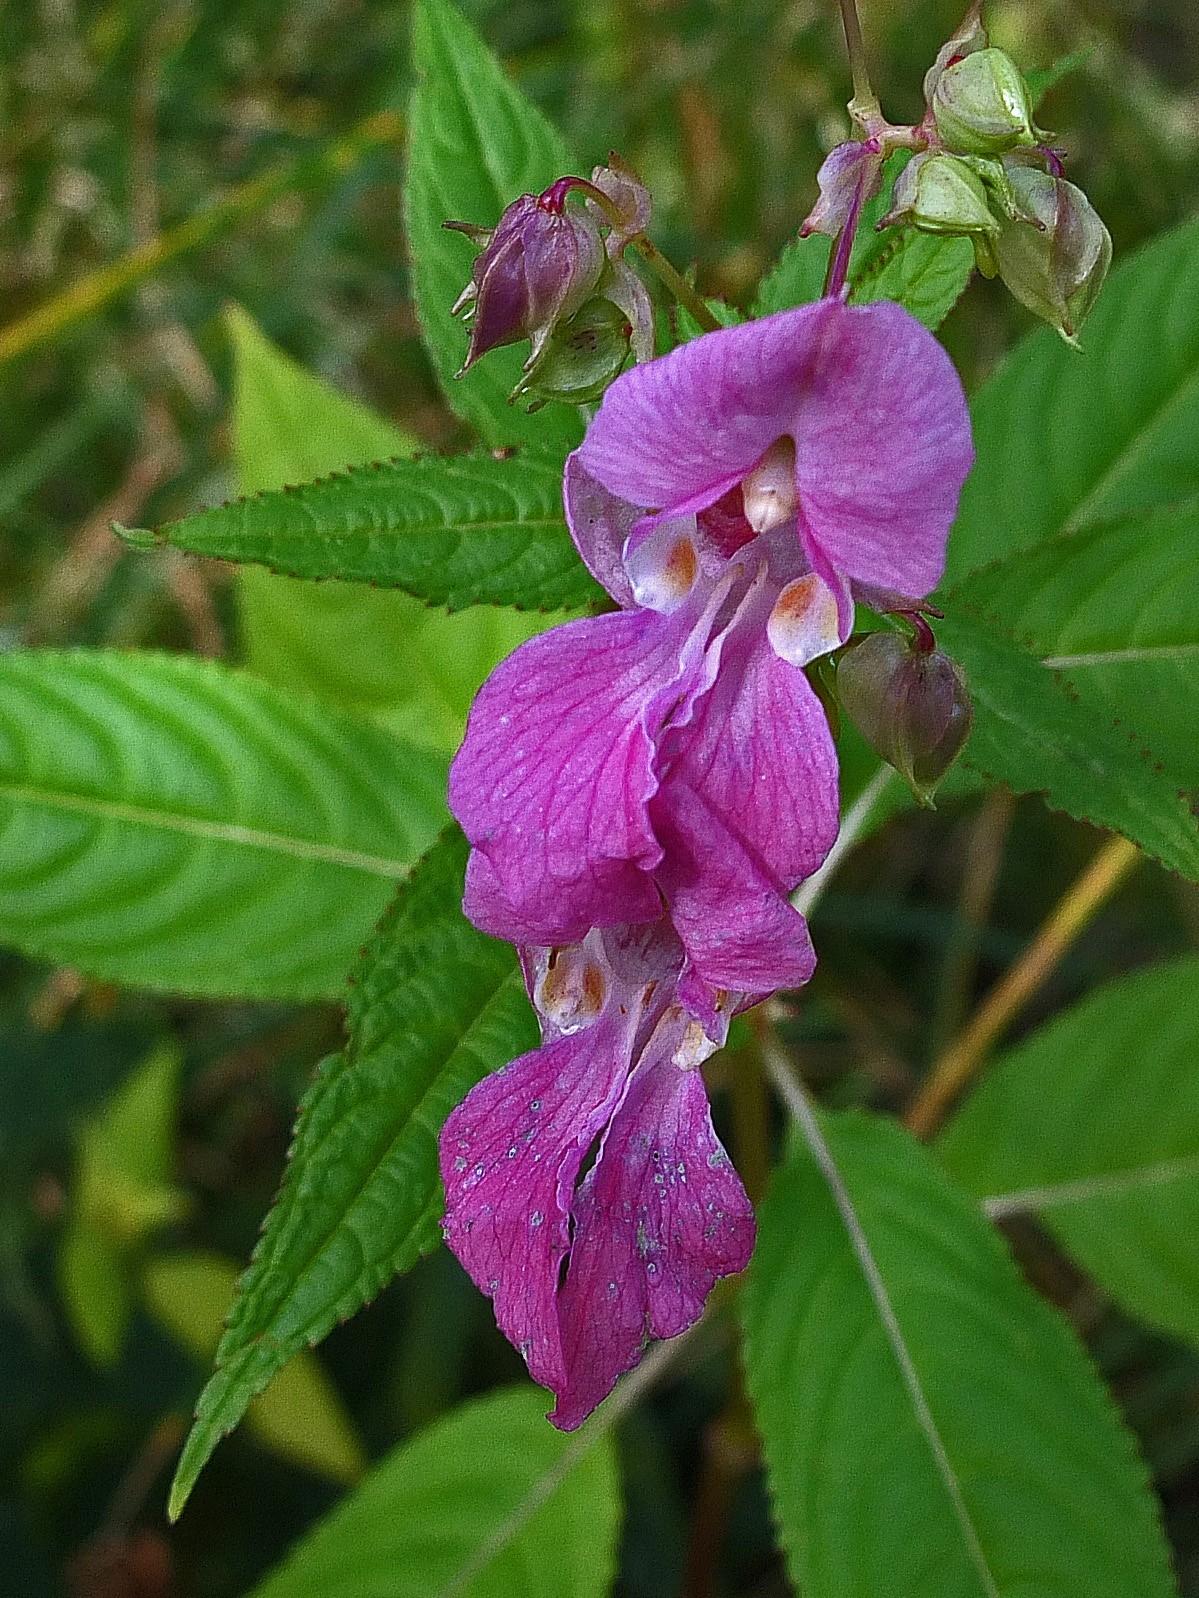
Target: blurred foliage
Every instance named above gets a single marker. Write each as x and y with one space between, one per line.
120 120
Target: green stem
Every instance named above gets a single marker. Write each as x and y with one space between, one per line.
864 106
675 283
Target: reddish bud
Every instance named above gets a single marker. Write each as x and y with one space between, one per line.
910 703
536 268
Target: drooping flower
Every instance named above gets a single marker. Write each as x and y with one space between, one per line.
669 768
585 1268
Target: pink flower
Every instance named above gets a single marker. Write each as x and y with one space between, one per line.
583 1272
644 789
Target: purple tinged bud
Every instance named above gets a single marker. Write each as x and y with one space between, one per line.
969 37
848 177
981 105
537 267
629 197
910 704
1055 266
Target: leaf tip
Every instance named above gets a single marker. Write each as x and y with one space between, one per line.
137 537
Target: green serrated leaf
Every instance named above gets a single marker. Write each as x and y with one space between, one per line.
1114 608
929 1424
1067 441
487 1503
923 273
1039 734
476 144
1092 1123
435 1005
457 530
382 654
299 1416
174 824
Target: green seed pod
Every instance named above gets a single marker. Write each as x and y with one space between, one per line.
910 705
582 357
1055 268
981 105
940 194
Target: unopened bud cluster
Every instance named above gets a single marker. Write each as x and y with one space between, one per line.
553 273
981 170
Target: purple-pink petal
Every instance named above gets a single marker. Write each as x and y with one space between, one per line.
871 400
761 754
659 1218
510 1157
555 775
735 923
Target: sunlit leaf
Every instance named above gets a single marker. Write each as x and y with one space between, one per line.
1114 608
434 1006
1032 731
458 530
1067 441
930 1426
383 654
173 824
1093 1124
299 1416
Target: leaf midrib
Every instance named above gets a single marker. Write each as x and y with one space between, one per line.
1109 1184
212 831
1146 654
1125 459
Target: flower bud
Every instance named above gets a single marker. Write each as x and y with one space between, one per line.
968 37
536 268
848 177
981 105
910 705
940 194
1055 266
582 356
630 199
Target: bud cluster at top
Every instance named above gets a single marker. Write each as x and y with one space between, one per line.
553 273
980 169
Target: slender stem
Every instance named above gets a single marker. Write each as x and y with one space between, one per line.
980 876
805 897
963 1058
865 101
675 282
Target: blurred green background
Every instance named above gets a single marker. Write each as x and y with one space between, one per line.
141 1139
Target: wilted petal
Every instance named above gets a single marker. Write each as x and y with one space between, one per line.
660 1217
735 923
553 780
510 1157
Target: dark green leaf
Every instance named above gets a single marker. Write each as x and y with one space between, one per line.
1041 79
476 144
925 274
930 1425
173 824
458 530
1035 732
383 654
1067 440
1093 1123
435 1005
464 1495
1115 608
922 272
